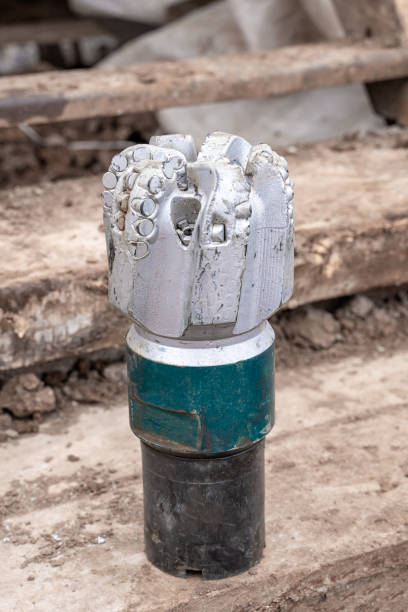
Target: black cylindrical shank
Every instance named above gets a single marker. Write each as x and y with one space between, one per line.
204 515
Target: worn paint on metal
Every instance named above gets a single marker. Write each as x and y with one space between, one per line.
201 410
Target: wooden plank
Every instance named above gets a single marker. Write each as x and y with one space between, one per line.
351 227
336 499
44 97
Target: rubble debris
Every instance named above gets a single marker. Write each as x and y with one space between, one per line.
83 390
115 372
21 164
11 433
320 331
25 395
72 458
361 306
314 328
5 421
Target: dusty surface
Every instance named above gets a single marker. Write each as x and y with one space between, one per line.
351 225
364 325
22 162
360 185
337 492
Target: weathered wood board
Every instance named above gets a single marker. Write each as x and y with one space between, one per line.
351 235
71 535
53 96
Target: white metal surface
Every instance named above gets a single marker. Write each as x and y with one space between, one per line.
200 353
199 244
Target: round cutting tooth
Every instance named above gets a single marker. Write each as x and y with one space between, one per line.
139 249
147 207
168 170
119 163
170 166
155 184
141 153
107 198
109 180
159 155
145 227
130 181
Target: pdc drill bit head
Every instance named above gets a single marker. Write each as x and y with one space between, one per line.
199 242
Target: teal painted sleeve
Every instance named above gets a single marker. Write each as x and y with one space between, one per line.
201 410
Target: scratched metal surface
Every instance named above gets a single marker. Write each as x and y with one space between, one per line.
201 410
199 240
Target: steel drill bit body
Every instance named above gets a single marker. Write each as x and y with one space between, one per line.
200 252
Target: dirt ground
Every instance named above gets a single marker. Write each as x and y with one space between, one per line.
23 161
71 515
71 535
71 509
366 324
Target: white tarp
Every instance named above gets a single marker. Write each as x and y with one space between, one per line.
145 11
